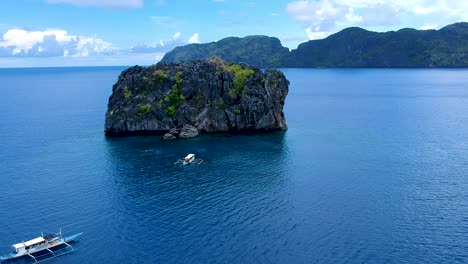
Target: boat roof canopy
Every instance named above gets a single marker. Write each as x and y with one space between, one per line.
190 156
34 241
19 245
49 236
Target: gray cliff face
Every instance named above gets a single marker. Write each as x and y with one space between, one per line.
209 95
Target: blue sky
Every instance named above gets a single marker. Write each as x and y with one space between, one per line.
36 33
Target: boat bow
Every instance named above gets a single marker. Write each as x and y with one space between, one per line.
72 237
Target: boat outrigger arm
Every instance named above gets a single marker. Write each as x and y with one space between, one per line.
43 248
195 161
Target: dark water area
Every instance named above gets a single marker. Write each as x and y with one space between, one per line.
373 169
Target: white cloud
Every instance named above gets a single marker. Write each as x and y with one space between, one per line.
165 45
85 46
50 43
426 27
161 46
353 18
321 16
101 3
176 36
419 10
195 38
316 34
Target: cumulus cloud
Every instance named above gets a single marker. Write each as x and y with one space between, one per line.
311 34
176 36
165 45
321 17
50 43
427 27
161 46
420 10
195 38
101 3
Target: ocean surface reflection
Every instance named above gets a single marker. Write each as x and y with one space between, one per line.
371 170
239 190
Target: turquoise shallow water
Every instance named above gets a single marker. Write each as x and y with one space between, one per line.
373 169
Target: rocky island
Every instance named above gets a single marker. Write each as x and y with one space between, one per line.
203 96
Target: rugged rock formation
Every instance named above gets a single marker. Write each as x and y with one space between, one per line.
188 131
169 136
204 96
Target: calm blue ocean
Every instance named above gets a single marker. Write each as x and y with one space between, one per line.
373 169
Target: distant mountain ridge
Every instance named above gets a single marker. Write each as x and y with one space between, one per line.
261 51
349 48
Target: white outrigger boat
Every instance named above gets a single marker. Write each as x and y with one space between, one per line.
42 248
190 158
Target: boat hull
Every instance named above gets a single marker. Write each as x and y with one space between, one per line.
72 237
50 247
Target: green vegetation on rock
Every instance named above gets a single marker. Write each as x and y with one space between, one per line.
170 110
127 93
240 77
221 104
143 109
175 96
160 76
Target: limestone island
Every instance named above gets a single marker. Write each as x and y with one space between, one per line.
181 100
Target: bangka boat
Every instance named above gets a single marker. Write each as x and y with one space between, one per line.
190 158
42 248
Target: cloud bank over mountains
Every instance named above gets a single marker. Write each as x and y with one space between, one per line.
150 28
50 43
59 43
323 17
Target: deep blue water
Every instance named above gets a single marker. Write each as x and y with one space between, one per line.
373 169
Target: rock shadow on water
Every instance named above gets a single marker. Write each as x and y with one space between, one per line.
242 179
143 169
149 157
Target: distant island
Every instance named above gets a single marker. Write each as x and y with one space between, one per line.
349 48
182 100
